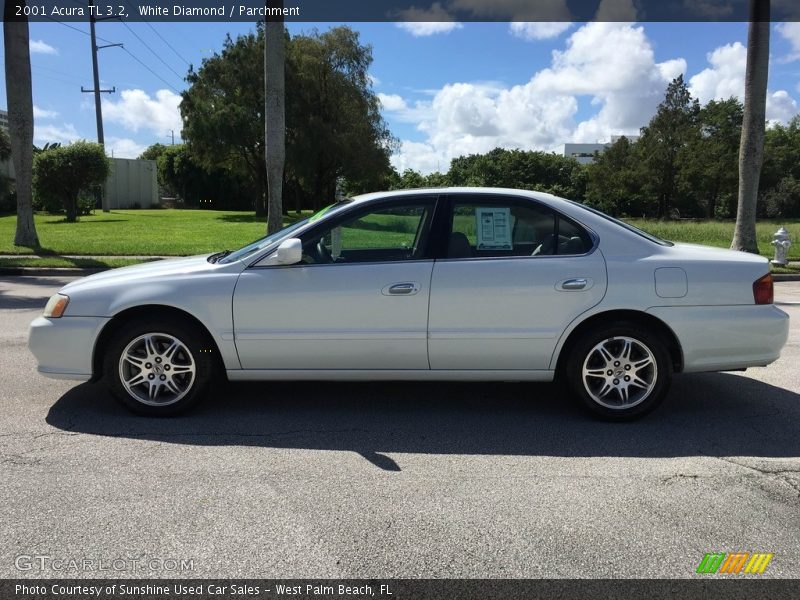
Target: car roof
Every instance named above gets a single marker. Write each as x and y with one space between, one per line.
554 200
451 190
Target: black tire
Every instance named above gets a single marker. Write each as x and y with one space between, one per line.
602 392
194 350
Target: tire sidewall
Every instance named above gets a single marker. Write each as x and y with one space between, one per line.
196 344
578 353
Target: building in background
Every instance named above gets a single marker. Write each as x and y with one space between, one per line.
584 153
4 119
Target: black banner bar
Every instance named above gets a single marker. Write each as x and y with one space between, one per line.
711 587
402 10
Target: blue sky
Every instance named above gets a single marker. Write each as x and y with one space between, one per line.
446 88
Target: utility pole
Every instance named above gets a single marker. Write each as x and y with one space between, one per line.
97 91
172 132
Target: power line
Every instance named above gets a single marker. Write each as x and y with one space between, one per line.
131 54
178 54
76 29
153 52
134 57
161 37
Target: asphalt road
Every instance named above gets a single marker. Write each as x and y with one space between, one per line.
394 480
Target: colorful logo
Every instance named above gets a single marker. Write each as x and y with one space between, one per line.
735 562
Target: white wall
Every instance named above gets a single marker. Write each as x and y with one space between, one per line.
132 181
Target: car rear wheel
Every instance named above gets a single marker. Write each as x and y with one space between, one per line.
158 367
620 371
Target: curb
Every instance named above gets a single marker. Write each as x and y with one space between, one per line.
778 277
49 271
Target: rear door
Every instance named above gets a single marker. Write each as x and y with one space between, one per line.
514 274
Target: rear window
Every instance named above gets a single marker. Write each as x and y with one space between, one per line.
623 224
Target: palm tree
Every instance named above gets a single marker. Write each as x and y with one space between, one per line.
274 115
751 147
20 119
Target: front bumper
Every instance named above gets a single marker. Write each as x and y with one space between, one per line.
63 347
724 338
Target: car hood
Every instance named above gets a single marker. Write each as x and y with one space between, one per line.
157 269
699 252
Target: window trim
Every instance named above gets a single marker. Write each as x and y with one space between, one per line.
518 201
435 201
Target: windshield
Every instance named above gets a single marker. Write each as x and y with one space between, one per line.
627 226
279 235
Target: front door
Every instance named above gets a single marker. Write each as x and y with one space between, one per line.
359 299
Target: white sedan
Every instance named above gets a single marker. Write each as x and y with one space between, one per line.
462 284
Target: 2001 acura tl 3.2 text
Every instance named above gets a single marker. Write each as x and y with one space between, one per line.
448 284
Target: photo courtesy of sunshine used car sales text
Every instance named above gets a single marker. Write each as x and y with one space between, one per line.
399 299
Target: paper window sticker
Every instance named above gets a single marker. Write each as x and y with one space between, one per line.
493 228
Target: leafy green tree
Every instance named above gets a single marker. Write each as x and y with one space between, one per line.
781 155
531 170
708 177
223 112
333 124
664 140
181 176
153 152
67 172
16 40
615 182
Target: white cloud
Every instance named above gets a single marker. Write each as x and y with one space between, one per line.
41 47
425 22
611 63
427 28
392 102
781 107
791 33
50 133
419 156
136 110
538 30
124 148
374 81
725 78
41 113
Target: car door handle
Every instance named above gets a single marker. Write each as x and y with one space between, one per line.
579 283
400 289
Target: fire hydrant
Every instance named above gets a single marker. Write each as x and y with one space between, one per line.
781 240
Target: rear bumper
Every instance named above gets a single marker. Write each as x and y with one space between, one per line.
721 338
63 347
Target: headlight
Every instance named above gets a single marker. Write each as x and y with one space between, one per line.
56 306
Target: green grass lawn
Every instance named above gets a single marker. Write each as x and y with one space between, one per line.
140 232
186 232
720 233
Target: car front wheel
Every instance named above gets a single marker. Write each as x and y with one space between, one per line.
158 368
619 372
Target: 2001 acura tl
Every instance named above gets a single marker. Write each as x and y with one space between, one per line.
447 284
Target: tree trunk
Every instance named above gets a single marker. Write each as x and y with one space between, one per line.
20 121
71 208
751 148
274 116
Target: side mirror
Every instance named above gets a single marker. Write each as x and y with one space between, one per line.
290 252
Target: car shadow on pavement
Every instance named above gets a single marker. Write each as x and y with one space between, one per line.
704 414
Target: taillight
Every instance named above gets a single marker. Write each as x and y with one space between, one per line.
762 290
